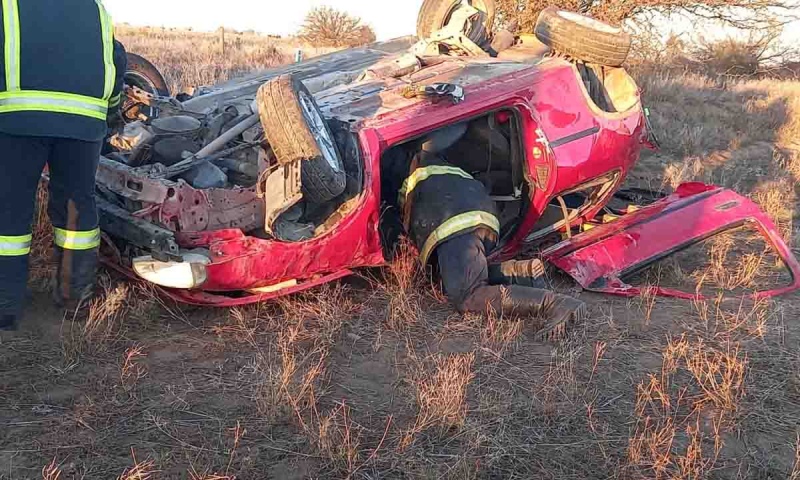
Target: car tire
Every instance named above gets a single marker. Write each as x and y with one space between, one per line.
582 38
144 75
434 15
297 131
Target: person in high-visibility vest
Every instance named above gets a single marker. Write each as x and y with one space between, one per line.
60 83
452 220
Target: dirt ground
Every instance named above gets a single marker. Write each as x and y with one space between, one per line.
376 377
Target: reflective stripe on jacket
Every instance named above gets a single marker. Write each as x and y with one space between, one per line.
442 201
59 71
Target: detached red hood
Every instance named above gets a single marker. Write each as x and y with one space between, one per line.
598 258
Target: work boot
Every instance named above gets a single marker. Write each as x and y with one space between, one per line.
559 311
74 306
75 279
525 273
8 323
564 313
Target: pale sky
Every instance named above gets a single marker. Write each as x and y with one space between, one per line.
389 18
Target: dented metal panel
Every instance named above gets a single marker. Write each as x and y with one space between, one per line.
600 257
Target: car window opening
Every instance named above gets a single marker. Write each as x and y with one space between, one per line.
612 90
487 147
562 217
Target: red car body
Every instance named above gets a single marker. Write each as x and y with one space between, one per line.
567 141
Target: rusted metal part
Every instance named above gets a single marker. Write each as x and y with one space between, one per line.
118 223
281 190
129 183
189 209
179 206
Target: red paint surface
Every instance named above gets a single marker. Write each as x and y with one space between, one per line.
597 258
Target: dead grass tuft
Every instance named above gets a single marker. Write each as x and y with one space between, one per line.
292 385
402 289
51 471
318 317
103 326
339 439
132 369
795 474
777 198
499 333
441 394
690 404
140 470
42 269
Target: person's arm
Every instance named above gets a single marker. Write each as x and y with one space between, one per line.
121 65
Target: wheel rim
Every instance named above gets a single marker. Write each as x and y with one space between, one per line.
478 4
588 22
130 109
320 131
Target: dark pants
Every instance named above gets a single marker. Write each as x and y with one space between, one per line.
467 278
72 166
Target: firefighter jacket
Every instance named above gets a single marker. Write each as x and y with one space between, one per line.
441 201
62 70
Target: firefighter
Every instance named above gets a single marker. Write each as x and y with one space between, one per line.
60 83
451 219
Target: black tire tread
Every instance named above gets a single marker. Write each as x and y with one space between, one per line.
142 66
291 140
582 42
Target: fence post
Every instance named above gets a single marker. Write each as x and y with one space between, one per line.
222 39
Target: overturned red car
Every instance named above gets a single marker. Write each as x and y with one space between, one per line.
272 184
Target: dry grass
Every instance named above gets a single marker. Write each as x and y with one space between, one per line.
140 470
441 394
51 471
132 369
100 328
42 270
190 59
339 439
402 286
690 405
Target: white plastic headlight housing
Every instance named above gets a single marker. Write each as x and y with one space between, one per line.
188 274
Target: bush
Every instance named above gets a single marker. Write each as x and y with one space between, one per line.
328 27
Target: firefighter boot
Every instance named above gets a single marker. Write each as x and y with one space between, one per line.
559 311
75 278
564 312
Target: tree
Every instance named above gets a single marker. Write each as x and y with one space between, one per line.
748 14
328 27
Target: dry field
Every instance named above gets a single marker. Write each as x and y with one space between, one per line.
376 377
197 58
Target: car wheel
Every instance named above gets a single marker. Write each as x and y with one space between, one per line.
434 15
144 75
582 38
296 131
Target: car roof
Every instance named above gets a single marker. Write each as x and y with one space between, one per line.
334 79
374 98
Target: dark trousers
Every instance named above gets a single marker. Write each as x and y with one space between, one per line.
466 277
72 165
